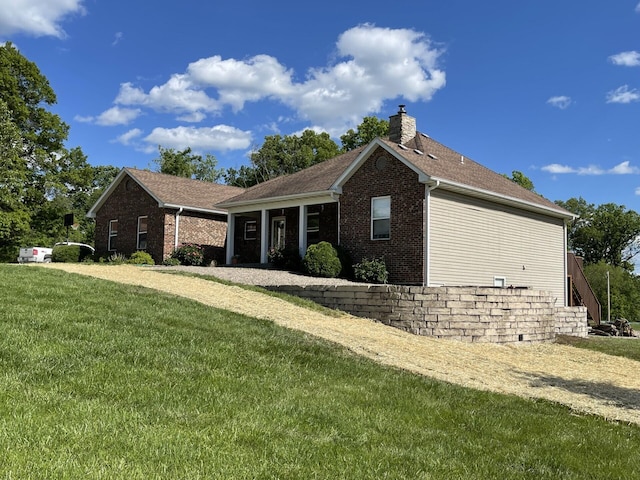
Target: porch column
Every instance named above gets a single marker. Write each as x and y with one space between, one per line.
264 236
302 230
231 230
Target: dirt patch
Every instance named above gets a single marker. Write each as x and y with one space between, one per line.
559 373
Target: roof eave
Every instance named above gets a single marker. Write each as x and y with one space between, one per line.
504 199
297 198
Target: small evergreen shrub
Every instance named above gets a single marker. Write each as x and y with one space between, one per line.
371 271
189 254
141 258
321 260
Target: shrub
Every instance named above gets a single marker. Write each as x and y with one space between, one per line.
322 260
371 270
189 254
171 262
66 253
141 258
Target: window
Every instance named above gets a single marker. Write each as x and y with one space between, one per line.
113 234
313 228
381 218
142 233
500 282
250 229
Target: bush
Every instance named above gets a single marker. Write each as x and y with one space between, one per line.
171 262
66 253
189 254
346 262
141 258
371 271
322 260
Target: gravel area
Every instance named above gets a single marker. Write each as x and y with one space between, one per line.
259 276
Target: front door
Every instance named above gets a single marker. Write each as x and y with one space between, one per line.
278 228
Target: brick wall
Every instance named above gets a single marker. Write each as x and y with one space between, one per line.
403 251
129 201
470 314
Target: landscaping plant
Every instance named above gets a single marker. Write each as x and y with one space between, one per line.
372 270
321 260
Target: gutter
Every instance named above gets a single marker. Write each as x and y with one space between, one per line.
177 229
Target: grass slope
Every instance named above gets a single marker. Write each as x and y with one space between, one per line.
100 380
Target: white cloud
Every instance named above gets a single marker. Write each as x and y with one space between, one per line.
37 17
638 8
623 168
118 116
557 168
562 102
637 190
117 38
626 59
178 95
81 119
126 138
372 65
623 95
218 137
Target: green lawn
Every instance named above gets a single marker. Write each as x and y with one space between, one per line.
619 346
100 380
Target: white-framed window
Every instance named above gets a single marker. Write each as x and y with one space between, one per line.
113 234
500 282
250 230
313 228
142 233
381 218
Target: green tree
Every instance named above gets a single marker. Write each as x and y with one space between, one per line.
370 128
189 165
521 179
281 155
43 179
624 287
608 232
14 215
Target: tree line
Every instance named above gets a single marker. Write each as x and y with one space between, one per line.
41 180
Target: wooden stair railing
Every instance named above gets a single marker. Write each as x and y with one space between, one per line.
580 290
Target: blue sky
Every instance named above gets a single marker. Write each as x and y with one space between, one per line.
550 88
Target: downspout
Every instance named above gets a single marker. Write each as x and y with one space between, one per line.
427 231
177 229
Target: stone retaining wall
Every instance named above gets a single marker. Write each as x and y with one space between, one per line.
471 314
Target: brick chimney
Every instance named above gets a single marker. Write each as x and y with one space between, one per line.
402 127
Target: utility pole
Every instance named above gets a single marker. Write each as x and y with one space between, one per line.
608 299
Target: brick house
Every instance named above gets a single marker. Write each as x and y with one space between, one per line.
437 217
154 212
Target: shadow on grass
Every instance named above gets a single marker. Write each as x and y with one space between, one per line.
621 397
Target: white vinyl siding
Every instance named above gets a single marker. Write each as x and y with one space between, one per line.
474 241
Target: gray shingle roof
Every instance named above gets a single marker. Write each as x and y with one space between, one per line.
435 160
183 192
317 178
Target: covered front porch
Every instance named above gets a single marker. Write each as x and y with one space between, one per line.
253 233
